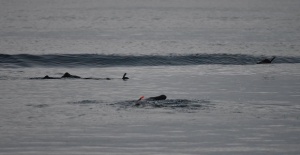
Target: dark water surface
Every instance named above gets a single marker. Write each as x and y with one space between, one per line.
98 60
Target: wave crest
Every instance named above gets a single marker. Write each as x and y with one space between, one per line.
101 60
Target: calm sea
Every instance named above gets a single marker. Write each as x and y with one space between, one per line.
202 54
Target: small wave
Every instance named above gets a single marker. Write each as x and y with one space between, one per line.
38 105
101 60
85 102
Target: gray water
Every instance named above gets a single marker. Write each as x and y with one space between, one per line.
210 109
263 27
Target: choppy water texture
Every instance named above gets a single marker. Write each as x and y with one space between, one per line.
183 105
178 105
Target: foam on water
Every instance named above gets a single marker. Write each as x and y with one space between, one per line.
179 105
183 105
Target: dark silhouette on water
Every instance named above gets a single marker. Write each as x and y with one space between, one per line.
68 75
266 61
155 98
48 77
160 97
124 77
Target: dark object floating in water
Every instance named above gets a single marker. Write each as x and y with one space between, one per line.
124 77
160 97
266 61
48 77
156 98
70 76
66 75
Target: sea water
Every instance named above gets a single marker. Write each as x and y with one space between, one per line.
201 54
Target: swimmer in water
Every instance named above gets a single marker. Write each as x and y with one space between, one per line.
160 97
137 103
156 98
